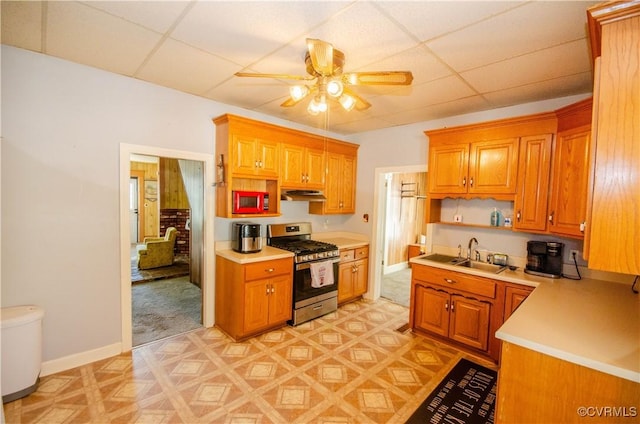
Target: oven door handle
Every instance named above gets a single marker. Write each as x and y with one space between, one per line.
307 265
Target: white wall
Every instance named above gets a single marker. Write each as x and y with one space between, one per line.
62 127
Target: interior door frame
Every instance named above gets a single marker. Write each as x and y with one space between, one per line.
140 176
378 235
208 271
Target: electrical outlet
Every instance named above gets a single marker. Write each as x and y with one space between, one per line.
576 252
457 218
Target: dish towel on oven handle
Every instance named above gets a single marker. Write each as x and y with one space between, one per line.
321 274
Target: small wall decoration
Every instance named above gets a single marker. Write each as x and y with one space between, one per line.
151 190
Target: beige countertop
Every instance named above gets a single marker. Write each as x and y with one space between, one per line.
266 254
344 240
589 322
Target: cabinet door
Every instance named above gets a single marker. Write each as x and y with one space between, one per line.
333 191
280 299
431 310
360 283
315 169
256 306
470 321
534 167
292 172
244 157
568 206
347 185
513 298
268 158
493 166
345 281
614 243
448 166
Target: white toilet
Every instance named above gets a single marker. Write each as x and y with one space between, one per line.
21 340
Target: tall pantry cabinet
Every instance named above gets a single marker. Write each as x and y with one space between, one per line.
612 242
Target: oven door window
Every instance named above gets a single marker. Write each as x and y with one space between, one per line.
302 283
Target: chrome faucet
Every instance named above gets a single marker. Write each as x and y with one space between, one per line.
470 249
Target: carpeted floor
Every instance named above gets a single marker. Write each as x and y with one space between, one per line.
163 308
396 287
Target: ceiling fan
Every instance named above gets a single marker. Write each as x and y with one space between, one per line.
326 79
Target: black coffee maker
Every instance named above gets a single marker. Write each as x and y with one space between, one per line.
544 258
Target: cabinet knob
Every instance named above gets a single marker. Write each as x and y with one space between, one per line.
446 305
450 281
471 182
464 181
270 270
452 303
551 216
583 226
518 215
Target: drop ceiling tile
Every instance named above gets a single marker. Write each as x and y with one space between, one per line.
428 20
21 24
156 15
185 68
85 35
567 59
419 60
364 34
249 92
534 26
244 32
554 88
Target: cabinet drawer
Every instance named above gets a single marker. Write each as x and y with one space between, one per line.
267 269
362 252
347 255
456 280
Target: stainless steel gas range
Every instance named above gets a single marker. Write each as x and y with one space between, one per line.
315 276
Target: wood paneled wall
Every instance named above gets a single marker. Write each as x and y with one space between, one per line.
172 192
150 208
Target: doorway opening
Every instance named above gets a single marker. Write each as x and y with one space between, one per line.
400 229
166 284
166 278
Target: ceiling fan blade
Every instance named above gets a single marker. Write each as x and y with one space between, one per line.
276 76
361 104
321 54
378 78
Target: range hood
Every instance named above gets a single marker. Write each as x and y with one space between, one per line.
302 195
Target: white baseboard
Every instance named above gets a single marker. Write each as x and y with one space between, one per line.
78 359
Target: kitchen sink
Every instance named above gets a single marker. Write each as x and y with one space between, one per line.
444 259
482 266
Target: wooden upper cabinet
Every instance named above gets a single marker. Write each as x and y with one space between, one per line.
253 155
340 183
448 168
534 166
568 204
481 160
483 167
302 167
493 166
614 223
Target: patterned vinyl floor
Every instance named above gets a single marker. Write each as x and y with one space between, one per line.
351 366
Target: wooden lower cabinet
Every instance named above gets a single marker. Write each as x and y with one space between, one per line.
463 309
353 280
460 318
538 388
253 298
513 297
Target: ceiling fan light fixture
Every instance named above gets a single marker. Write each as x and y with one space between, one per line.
347 102
316 106
334 88
298 92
